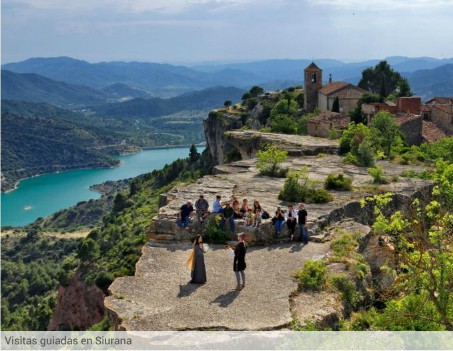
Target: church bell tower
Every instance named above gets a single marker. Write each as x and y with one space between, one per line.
312 85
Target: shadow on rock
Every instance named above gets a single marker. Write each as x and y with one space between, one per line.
225 299
187 290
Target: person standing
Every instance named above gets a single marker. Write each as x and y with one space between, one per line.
228 215
195 262
291 220
302 219
239 264
185 212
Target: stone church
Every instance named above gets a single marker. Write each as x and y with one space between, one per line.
321 96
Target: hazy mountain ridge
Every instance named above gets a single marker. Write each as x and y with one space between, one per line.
170 80
147 108
33 87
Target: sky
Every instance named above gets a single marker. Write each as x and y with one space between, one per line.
194 31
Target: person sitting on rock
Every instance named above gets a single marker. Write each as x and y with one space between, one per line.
245 207
201 205
236 208
278 220
228 216
291 220
263 213
216 205
249 217
185 212
257 218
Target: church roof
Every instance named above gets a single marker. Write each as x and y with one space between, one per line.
335 87
313 66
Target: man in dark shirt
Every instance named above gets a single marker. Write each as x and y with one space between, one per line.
185 212
302 219
227 215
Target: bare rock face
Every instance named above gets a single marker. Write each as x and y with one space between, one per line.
250 141
79 306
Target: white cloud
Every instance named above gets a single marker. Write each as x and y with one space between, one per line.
383 4
134 6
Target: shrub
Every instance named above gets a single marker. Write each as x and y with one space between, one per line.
214 234
320 196
378 175
269 160
338 182
347 289
103 281
298 187
312 276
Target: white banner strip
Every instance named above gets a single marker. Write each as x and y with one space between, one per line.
215 340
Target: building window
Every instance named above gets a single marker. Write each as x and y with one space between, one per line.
313 77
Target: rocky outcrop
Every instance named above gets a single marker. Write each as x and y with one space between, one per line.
247 143
79 306
242 179
215 126
159 296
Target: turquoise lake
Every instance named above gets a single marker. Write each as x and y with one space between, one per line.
43 195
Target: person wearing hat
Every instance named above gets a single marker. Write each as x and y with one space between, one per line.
239 261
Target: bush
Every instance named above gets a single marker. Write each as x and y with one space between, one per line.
347 289
312 276
320 196
298 187
338 182
269 160
378 175
103 281
214 234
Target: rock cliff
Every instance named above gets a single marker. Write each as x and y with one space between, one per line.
79 306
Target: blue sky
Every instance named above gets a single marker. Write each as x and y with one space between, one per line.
189 31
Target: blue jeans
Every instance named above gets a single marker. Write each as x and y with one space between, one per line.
183 222
303 234
231 221
278 226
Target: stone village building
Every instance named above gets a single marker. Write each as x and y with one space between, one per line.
417 122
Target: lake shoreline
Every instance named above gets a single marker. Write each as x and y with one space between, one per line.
51 192
160 147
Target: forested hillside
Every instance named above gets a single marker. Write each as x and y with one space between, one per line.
39 145
154 107
35 88
34 265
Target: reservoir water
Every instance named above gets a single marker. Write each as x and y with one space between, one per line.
43 195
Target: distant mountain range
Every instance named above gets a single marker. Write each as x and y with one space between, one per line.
122 80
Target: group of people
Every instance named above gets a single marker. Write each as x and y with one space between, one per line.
195 261
292 217
252 215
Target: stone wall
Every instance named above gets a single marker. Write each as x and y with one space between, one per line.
412 130
442 115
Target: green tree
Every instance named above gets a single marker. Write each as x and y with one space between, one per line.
256 90
385 132
270 158
381 79
423 240
194 156
227 103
